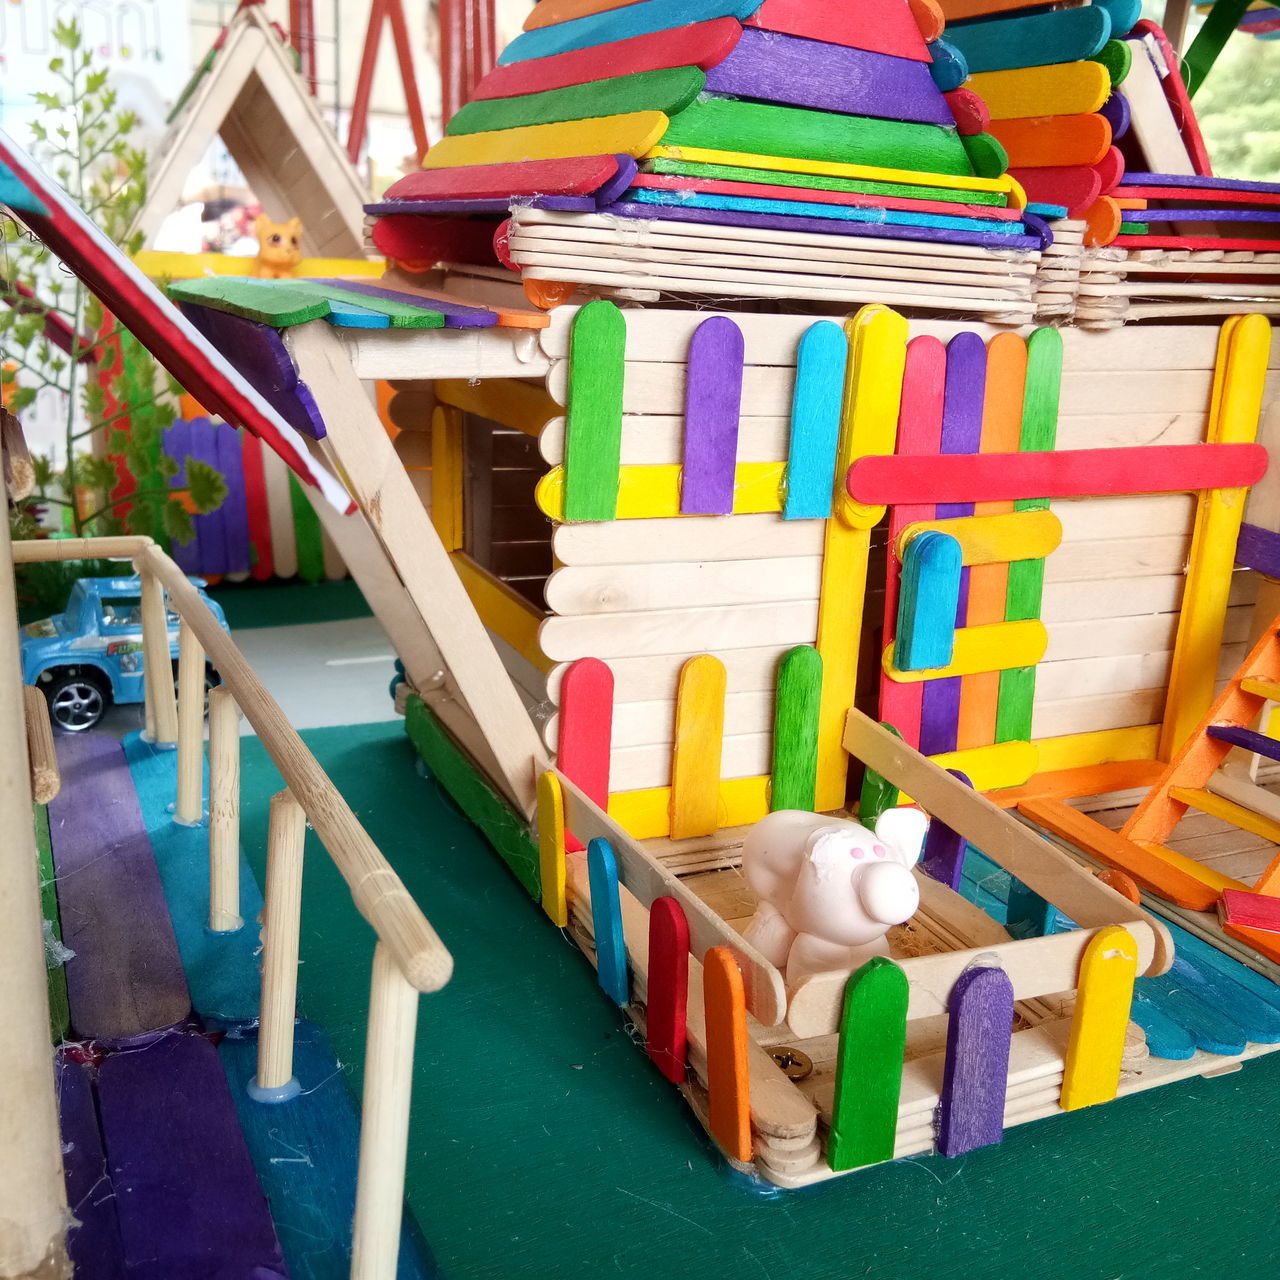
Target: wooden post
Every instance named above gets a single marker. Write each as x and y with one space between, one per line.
190 806
384 1120
162 705
282 916
224 811
31 1188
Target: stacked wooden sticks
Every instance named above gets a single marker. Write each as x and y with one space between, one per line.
688 148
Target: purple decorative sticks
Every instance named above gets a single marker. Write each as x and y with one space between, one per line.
713 402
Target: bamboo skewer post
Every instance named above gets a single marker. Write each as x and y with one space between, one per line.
282 918
224 811
384 1120
162 706
31 1187
190 806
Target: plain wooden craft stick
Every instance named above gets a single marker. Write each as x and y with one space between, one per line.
282 921
189 809
224 811
162 702
45 778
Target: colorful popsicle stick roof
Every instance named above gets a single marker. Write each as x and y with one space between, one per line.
857 82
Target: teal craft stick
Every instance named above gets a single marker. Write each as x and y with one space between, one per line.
815 421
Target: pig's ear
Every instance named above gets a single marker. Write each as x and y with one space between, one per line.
903 831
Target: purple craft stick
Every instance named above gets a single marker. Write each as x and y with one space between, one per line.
1201 215
975 1078
176 443
943 856
821 226
125 979
189 1201
1117 113
712 405
614 188
772 67
1140 179
497 204
94 1244
456 316
235 506
257 351
961 433
211 540
1259 549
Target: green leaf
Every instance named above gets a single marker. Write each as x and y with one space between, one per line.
168 467
42 467
142 520
205 485
178 523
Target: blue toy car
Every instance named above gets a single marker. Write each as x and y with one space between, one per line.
90 655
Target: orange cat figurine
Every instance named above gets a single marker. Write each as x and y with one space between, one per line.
279 247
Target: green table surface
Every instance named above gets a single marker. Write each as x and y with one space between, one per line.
544 1144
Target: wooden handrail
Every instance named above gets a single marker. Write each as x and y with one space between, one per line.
376 889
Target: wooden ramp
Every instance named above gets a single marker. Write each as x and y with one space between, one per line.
125 980
188 1198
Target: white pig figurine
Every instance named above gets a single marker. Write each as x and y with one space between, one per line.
829 889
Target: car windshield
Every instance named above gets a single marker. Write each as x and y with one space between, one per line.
122 611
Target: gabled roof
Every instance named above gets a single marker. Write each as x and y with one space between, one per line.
251 95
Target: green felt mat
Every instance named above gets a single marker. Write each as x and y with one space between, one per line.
544 1144
288 604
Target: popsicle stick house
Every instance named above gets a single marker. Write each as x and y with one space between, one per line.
749 479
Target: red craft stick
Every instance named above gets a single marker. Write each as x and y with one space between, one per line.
586 731
255 496
573 176
666 1041
1069 473
879 26
1250 910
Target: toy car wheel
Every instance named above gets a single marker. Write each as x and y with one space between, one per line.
76 702
211 681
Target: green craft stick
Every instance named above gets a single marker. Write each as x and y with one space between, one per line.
812 182
1198 61
795 730
1117 57
279 303
724 124
670 91
403 315
873 1041
59 1013
593 427
877 795
306 534
1026 577
505 830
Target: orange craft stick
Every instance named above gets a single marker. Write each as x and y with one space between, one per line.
727 1072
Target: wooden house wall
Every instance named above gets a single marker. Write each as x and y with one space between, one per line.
645 595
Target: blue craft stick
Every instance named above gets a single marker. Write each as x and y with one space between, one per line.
833 212
815 421
1206 956
1166 1038
1212 1030
621 24
347 315
948 68
606 921
928 601
1256 1018
1032 40
1049 212
1124 14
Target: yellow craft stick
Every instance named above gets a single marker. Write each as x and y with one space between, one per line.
446 476
995 646
551 855
1236 814
650 492
1102 746
1196 870
503 610
1005 764
699 738
161 264
1239 379
506 401
832 169
1064 89
1020 535
873 390
1103 997
634 133
646 814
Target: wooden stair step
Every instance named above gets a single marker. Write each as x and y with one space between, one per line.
94 1245
189 1201
1269 689
1250 740
125 979
1229 811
